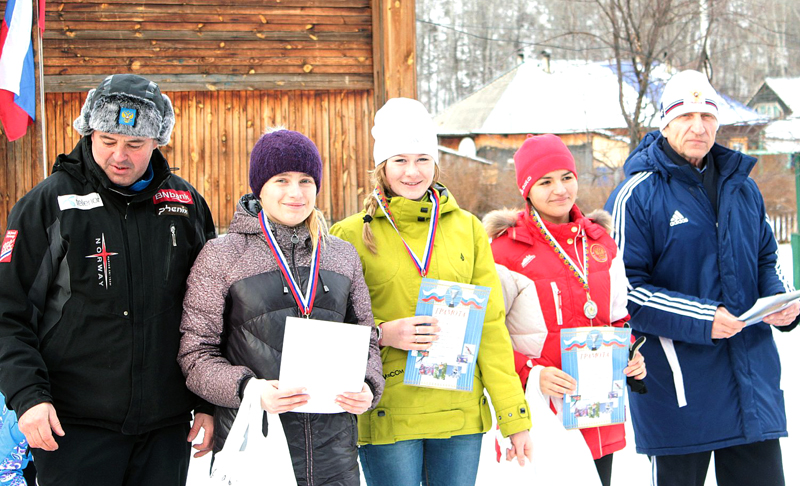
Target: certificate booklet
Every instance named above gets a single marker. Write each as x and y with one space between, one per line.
595 357
327 358
450 362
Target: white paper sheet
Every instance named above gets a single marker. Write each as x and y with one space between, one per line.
327 358
769 305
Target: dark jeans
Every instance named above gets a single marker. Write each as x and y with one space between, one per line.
93 455
757 463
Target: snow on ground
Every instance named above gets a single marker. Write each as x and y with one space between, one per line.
630 468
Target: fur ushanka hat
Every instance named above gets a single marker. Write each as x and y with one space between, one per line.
127 104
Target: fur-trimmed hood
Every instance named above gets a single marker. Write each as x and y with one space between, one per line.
501 220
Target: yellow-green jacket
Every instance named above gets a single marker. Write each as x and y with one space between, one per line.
461 253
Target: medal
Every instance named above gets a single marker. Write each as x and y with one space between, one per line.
590 307
304 302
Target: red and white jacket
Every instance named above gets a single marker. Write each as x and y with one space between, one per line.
519 246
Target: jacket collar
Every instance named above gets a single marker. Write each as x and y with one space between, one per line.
246 221
650 156
526 231
407 210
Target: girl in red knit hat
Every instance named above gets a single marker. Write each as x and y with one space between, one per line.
578 277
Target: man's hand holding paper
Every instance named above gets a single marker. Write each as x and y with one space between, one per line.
784 317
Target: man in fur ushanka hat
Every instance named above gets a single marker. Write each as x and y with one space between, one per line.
94 264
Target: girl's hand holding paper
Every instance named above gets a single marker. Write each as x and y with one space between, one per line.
356 403
274 400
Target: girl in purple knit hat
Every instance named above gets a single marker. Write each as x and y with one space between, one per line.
238 299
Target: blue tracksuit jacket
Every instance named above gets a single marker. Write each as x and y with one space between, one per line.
683 261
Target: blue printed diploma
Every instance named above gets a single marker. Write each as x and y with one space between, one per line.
450 362
595 357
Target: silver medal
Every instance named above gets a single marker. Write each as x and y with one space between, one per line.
590 309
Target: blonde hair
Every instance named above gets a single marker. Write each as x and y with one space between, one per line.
371 204
317 227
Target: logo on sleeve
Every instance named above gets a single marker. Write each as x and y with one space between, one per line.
172 195
172 210
8 246
74 201
527 260
103 260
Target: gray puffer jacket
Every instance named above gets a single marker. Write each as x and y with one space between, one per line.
233 324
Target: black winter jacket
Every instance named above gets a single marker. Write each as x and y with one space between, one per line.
234 319
91 298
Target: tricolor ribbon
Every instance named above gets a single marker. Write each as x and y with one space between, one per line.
422 265
304 303
581 275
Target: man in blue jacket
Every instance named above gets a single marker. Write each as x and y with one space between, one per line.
699 251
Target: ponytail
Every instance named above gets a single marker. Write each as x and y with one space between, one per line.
371 207
317 227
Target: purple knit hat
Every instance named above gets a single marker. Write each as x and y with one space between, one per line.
283 151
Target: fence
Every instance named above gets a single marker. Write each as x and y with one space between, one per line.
783 225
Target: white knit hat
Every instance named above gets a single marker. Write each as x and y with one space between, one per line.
404 126
687 92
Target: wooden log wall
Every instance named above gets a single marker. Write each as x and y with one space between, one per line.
210 44
216 130
232 68
20 169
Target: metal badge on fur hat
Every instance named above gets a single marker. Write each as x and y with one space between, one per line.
127 104
282 151
404 126
687 92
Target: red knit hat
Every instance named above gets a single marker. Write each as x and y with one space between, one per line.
539 155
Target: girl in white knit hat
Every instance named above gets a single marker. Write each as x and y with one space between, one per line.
411 227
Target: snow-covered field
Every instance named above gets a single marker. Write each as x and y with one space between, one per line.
631 469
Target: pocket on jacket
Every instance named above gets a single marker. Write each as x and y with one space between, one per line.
52 347
433 424
557 303
353 431
171 252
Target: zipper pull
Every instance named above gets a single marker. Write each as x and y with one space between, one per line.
295 238
174 236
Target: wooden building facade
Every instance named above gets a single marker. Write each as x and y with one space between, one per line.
233 68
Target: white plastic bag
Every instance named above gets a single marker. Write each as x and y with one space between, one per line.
248 458
560 456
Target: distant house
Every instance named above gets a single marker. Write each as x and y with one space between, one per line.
777 98
577 101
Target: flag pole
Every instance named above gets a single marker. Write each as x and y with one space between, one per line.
39 75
